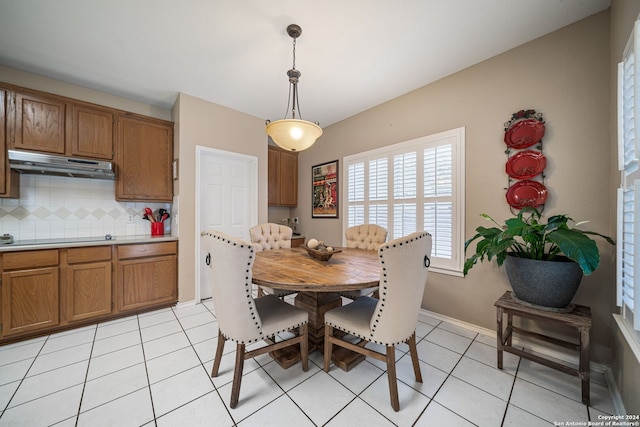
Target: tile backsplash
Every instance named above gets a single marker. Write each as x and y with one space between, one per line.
58 207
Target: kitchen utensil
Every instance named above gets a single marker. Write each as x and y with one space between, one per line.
149 213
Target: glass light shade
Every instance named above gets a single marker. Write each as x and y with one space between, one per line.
294 134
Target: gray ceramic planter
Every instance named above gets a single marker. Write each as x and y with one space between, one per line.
544 283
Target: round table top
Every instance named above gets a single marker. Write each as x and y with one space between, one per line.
294 269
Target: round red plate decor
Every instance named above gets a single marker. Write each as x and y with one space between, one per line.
526 164
526 193
524 133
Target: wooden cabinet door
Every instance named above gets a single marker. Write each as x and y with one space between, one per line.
146 281
4 162
283 177
39 123
274 177
9 181
29 300
144 153
288 179
88 290
87 285
91 131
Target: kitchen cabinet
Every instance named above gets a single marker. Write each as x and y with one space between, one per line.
39 122
146 275
44 291
30 291
283 177
144 152
90 131
297 241
9 180
87 285
53 124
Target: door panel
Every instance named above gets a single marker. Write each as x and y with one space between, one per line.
227 200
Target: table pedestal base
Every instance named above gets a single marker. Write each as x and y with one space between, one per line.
317 304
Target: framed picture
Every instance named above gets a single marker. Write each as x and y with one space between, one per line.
325 197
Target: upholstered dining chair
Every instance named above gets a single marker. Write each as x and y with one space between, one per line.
392 319
241 318
369 237
271 236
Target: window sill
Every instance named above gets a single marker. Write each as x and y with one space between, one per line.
629 335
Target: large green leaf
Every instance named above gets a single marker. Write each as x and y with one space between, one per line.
577 247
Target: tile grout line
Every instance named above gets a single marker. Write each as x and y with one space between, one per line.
202 363
146 370
86 375
24 377
449 374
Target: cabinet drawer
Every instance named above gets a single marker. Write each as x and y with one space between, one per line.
92 254
29 259
146 250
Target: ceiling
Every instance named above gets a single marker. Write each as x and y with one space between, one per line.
353 54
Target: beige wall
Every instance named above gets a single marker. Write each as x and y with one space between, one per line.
564 75
199 122
46 84
625 366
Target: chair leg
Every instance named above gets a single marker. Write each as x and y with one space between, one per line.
237 375
413 350
328 346
391 375
304 346
260 292
216 361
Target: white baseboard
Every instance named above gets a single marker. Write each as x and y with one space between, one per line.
616 398
535 347
186 303
547 351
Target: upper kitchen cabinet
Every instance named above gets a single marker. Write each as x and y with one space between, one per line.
9 180
90 131
283 177
54 124
39 122
144 152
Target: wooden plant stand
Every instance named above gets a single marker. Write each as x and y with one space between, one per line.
579 318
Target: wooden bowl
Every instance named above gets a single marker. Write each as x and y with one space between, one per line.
321 255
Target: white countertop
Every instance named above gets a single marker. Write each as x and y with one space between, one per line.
37 244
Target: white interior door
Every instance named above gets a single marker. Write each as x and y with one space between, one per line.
227 200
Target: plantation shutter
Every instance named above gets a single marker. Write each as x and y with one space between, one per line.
628 205
415 185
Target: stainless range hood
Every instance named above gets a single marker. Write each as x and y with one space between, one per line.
50 164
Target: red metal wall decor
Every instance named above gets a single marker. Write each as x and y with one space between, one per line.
525 165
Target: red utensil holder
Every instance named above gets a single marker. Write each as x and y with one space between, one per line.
157 228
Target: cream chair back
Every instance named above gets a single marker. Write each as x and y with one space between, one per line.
231 260
270 236
404 266
366 236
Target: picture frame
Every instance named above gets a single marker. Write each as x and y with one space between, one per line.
325 190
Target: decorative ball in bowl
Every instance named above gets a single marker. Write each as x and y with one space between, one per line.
318 250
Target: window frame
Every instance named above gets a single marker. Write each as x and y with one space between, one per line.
453 137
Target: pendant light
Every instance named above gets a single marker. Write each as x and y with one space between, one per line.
293 134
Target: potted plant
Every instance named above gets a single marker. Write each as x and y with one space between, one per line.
544 262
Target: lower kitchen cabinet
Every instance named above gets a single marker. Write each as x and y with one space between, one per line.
87 283
45 291
30 292
147 275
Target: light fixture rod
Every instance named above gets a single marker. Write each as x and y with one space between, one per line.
293 134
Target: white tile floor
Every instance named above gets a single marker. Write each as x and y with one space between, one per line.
153 369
